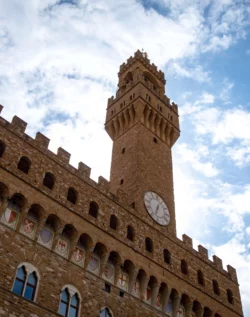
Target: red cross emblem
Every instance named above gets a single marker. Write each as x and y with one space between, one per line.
122 279
136 288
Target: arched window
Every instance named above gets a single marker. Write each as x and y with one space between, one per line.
184 267
216 287
72 195
2 148
24 164
130 233
167 256
113 223
93 209
230 296
19 281
64 303
49 180
149 245
200 278
26 281
106 313
69 302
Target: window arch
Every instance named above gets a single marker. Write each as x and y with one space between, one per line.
216 288
26 281
2 148
230 296
130 233
24 164
106 312
200 278
113 223
167 256
49 180
69 302
184 267
72 195
93 209
149 245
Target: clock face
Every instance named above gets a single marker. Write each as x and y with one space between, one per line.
157 208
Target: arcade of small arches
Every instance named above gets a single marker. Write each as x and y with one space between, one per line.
95 258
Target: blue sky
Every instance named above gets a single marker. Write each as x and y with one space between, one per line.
58 66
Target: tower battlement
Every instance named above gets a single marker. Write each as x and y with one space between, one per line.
143 59
106 246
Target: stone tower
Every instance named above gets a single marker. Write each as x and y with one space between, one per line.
73 247
144 126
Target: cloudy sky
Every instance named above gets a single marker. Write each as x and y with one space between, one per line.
58 65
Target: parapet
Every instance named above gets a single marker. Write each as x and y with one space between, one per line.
41 142
18 125
104 184
202 252
188 242
143 58
217 262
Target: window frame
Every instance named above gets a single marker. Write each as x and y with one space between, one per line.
72 290
29 269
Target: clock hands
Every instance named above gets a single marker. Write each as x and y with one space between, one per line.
157 208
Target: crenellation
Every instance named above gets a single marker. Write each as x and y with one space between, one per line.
42 141
82 234
63 155
232 273
18 125
83 170
188 242
217 262
203 252
103 183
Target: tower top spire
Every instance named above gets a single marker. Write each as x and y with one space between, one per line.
142 57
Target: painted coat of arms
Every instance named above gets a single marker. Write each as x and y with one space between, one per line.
28 227
94 264
148 295
62 247
10 217
169 308
109 272
123 280
46 237
136 288
78 256
180 312
158 302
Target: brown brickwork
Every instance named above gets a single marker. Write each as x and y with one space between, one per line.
72 246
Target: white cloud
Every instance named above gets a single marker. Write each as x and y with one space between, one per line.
58 67
197 159
223 126
197 73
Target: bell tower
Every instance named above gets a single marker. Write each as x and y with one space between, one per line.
143 126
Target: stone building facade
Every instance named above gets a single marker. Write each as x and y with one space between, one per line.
72 247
